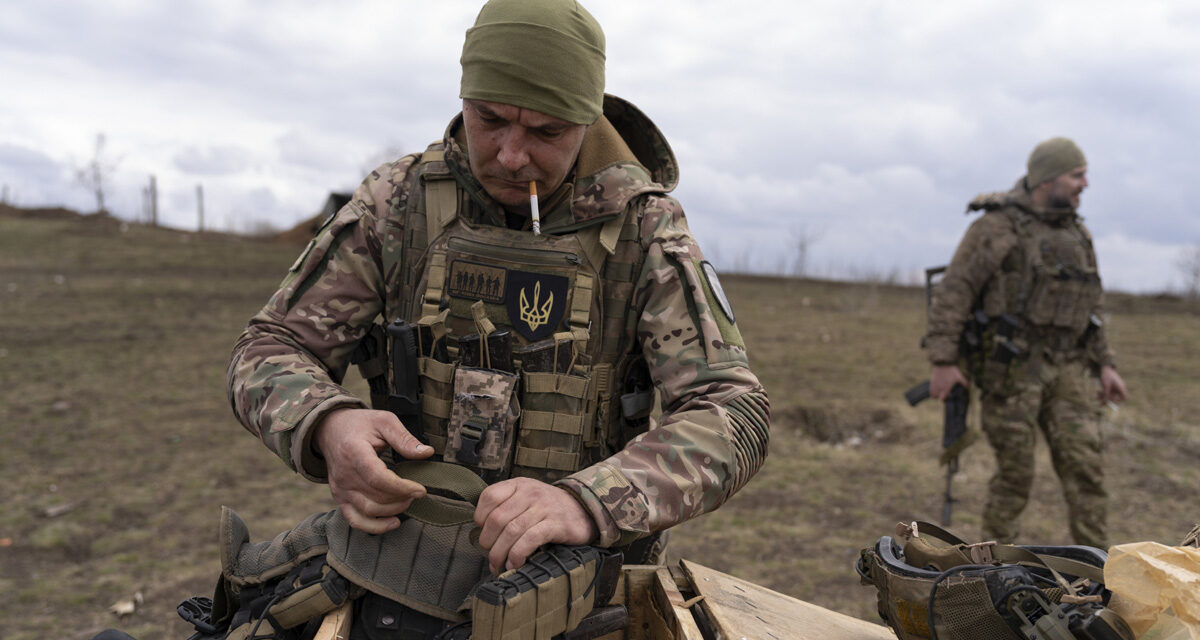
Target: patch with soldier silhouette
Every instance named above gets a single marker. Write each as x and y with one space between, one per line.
536 302
474 281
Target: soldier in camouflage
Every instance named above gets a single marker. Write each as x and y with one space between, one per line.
1029 262
614 283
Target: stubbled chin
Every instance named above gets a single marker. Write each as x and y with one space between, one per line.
508 196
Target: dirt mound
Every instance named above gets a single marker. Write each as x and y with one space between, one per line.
46 213
845 426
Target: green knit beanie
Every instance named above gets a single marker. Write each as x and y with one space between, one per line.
1051 159
545 55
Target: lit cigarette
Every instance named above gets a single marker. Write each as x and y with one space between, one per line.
533 208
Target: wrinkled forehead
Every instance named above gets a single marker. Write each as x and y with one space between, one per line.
513 113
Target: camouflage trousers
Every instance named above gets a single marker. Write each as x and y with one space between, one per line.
1056 395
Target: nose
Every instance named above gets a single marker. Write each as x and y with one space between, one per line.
513 154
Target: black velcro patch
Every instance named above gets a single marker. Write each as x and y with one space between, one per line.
536 302
475 281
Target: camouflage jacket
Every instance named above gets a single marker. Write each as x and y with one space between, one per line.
1037 265
712 435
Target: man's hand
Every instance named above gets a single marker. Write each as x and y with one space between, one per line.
942 379
522 514
369 494
1112 387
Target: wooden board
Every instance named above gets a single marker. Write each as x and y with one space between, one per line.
742 610
656 610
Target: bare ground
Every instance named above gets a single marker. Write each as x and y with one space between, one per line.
117 446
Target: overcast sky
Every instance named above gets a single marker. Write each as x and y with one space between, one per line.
864 127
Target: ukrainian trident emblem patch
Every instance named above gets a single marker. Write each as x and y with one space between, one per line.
536 302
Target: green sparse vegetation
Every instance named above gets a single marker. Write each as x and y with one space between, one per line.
113 345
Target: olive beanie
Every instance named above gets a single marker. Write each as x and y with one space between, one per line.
545 55
1051 159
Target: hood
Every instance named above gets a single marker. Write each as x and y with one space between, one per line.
1019 197
623 155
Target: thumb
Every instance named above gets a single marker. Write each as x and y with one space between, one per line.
406 444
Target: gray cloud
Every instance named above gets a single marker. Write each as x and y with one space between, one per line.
213 161
873 122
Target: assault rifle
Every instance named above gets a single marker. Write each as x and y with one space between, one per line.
954 435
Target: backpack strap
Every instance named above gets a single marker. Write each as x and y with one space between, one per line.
991 552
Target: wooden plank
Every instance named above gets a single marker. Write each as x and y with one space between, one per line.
746 611
336 625
670 602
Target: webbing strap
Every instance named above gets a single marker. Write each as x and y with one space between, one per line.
571 386
549 421
436 282
1014 554
435 370
546 459
442 476
581 301
436 407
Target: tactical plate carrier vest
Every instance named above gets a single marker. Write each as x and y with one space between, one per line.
1043 295
522 332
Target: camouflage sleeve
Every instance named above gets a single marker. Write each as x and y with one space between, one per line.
712 435
978 258
286 368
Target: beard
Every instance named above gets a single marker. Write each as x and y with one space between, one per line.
1061 202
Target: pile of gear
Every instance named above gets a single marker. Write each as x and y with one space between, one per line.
931 585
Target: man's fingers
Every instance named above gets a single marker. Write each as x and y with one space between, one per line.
491 498
404 443
528 543
373 509
499 554
383 485
366 523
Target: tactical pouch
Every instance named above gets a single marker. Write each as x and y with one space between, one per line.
1063 297
937 587
549 595
437 399
557 400
483 420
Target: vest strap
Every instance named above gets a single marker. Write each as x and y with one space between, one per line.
436 282
548 421
569 386
441 195
546 459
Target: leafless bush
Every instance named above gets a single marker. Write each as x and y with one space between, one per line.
1189 265
94 175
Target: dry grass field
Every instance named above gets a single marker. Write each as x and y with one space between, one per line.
117 446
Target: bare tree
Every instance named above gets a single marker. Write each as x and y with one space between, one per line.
1189 266
803 238
95 174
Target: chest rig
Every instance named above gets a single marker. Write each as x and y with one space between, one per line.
1050 282
525 359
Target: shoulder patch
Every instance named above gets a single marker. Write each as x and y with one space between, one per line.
718 292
